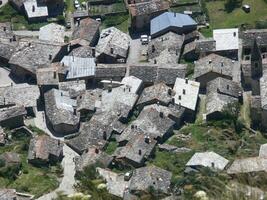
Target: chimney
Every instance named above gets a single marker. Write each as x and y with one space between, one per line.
183 91
147 140
155 61
55 75
96 150
111 50
4 101
161 114
104 135
153 48
158 103
33 8
169 92
179 97
58 142
140 152
10 40
50 57
221 64
210 61
4 28
132 126
14 38
129 89
174 14
68 48
61 94
11 84
186 80
109 88
74 111
212 165
29 44
72 58
93 52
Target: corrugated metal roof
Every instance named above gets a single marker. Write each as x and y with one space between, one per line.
169 19
79 67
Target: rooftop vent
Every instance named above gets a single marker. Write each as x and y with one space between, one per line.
186 80
155 61
50 57
140 152
104 135
169 92
183 91
161 114
96 150
4 28
33 8
221 64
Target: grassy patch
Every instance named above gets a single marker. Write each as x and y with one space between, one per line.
119 21
111 147
220 18
33 180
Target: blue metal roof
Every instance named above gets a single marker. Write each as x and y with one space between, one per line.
169 19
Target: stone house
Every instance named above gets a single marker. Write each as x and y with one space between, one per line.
87 32
220 93
32 54
141 13
165 48
157 73
155 177
21 95
113 46
60 111
44 150
52 32
115 72
207 159
212 66
12 117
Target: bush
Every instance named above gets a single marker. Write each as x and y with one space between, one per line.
2 163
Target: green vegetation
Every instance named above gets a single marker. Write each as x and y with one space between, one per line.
33 180
112 145
122 22
69 6
222 18
89 181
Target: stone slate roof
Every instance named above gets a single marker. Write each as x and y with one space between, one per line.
87 30
87 100
113 38
148 7
120 100
137 150
135 84
247 165
11 112
255 102
47 76
207 159
59 108
52 32
156 93
75 88
11 158
5 31
151 73
43 146
31 54
92 156
94 132
166 48
206 45
7 50
214 63
20 94
186 93
82 52
149 122
221 92
110 71
145 177
249 36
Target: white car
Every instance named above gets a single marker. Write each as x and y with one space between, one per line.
145 39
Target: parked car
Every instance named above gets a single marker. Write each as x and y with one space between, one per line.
145 39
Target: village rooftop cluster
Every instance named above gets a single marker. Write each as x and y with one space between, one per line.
93 89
